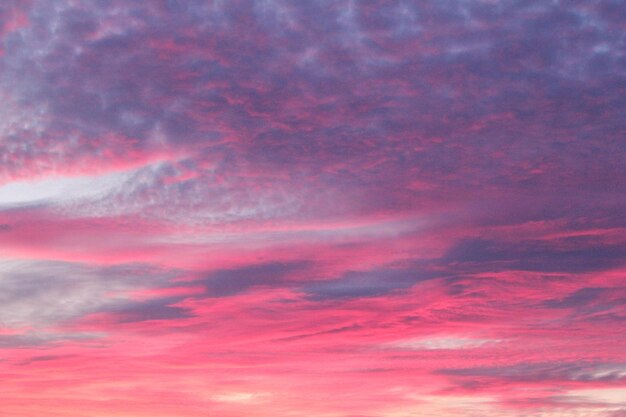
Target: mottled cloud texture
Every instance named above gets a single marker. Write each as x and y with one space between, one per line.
359 208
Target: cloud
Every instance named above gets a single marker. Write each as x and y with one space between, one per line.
438 343
58 190
538 372
565 255
227 199
42 294
371 283
228 282
156 309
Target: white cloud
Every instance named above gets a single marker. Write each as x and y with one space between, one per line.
239 397
612 396
60 189
439 343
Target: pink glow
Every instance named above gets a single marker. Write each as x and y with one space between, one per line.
323 208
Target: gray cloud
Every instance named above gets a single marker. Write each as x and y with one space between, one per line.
564 255
536 372
40 293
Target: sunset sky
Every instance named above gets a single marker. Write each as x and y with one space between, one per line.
312 208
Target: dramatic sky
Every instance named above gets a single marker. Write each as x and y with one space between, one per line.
312 208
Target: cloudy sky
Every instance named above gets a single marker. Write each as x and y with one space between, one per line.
312 208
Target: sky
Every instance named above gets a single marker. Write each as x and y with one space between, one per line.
312 208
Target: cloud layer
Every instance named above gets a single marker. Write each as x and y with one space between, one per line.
330 208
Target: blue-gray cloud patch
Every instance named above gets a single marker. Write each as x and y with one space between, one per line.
228 282
371 283
537 372
564 255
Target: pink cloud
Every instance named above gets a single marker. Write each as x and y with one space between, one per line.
336 209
